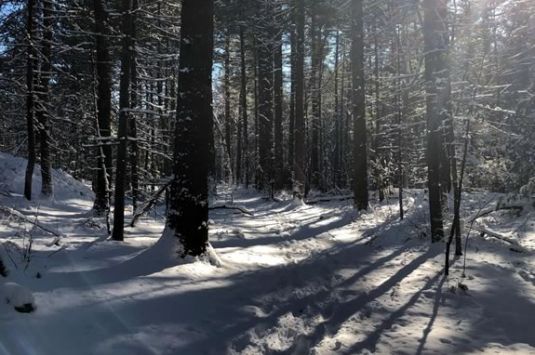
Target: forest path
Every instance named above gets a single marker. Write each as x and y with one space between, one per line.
296 279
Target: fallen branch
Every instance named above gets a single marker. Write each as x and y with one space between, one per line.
19 215
313 201
147 206
232 207
498 207
485 231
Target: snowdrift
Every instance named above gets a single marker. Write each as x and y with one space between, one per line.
12 170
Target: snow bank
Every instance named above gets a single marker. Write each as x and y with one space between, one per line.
12 171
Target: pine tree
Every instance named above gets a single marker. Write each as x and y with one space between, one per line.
437 89
299 133
43 97
124 112
103 78
30 99
188 202
360 164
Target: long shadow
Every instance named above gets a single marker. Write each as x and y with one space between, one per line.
429 327
229 317
303 232
345 310
370 343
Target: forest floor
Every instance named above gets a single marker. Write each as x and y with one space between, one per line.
293 278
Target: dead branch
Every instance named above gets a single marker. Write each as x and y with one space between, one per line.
232 207
147 206
313 201
19 215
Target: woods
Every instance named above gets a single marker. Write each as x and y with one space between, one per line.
230 123
325 97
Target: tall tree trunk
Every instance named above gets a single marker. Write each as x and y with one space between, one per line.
337 127
299 135
265 95
244 139
277 96
124 107
436 77
43 96
399 101
227 118
378 142
291 123
315 93
103 76
360 164
188 204
30 102
134 150
256 114
343 122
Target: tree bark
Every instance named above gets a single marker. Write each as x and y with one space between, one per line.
134 149
228 120
103 71
299 135
244 138
278 119
360 164
291 118
188 203
265 102
30 102
124 114
43 96
315 93
436 77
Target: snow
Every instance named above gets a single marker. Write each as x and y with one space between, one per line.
286 278
16 295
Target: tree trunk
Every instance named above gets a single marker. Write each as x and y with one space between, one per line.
265 102
134 150
30 104
315 93
436 77
188 203
360 164
243 139
124 107
43 96
103 72
337 123
299 135
227 118
277 96
291 123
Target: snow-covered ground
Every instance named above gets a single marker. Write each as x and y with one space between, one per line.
294 279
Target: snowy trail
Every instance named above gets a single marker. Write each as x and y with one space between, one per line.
296 279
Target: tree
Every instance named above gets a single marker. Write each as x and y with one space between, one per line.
243 138
30 100
265 96
43 96
278 119
103 78
188 202
124 107
299 129
360 164
437 90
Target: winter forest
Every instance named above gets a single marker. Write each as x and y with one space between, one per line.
267 177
